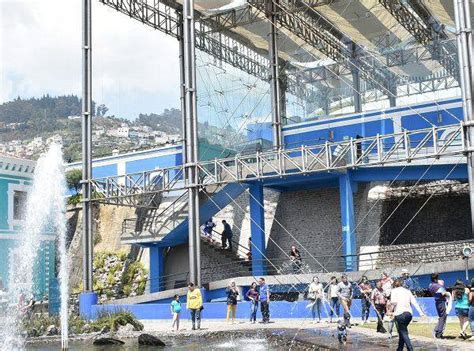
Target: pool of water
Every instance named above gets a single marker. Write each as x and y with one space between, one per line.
274 340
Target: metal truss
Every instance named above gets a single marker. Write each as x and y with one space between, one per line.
310 30
226 47
398 148
417 20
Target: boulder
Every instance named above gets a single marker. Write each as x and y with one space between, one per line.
126 329
52 330
107 341
150 340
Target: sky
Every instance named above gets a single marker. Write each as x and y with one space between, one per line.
135 67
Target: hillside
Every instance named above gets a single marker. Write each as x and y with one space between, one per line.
27 126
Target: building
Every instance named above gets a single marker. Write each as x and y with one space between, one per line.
16 176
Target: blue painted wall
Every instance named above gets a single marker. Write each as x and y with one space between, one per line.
372 123
217 310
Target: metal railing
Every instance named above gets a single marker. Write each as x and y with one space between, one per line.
154 227
406 146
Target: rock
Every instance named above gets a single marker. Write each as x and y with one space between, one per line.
107 341
149 340
52 330
86 328
126 329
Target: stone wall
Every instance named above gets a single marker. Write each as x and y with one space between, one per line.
310 220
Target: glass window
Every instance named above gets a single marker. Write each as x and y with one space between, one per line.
19 204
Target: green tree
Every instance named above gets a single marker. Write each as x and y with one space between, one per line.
73 179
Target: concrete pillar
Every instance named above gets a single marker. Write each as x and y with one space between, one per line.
157 268
346 191
257 229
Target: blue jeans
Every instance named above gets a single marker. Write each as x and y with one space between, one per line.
316 309
402 321
442 316
253 310
365 304
471 318
334 307
196 317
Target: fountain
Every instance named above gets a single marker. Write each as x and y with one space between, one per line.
45 211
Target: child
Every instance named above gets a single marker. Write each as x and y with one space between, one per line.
342 332
175 312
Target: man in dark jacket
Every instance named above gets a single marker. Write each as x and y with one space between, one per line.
226 236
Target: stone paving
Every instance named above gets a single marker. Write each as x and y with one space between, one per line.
322 335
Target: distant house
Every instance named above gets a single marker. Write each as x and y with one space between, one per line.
16 176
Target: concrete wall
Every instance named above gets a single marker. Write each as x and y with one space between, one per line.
310 220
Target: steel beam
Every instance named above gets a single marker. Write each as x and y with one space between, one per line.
191 141
87 112
309 30
274 77
465 52
417 20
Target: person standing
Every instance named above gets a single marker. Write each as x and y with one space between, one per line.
264 298
208 228
315 295
194 304
461 304
333 299
252 295
408 282
226 236
387 283
344 292
295 258
441 297
232 294
380 303
175 312
471 305
401 302
365 289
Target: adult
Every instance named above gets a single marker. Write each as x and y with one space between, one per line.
408 282
441 297
380 303
208 228
461 304
249 252
315 295
333 299
194 304
365 290
252 296
344 292
401 302
295 258
232 292
264 299
387 283
471 305
226 235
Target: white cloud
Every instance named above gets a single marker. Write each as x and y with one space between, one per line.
135 67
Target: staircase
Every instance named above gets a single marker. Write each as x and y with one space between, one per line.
168 223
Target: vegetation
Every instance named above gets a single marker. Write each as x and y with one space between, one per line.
424 329
107 321
73 179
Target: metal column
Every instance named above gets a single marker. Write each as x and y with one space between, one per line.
274 77
87 144
191 140
465 52
356 82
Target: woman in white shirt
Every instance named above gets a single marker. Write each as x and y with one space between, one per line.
333 298
315 295
401 300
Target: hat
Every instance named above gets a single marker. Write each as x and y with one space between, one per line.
404 270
